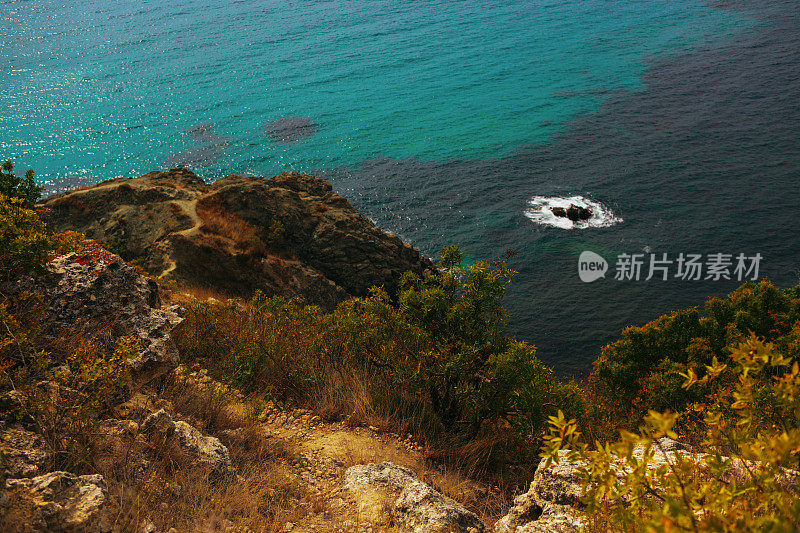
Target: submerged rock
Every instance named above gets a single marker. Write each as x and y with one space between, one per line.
290 129
194 157
207 154
390 494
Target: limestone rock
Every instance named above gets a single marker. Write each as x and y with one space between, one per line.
139 406
533 515
58 501
93 287
202 450
387 493
290 235
553 502
22 453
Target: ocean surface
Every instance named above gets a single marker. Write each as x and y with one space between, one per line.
676 121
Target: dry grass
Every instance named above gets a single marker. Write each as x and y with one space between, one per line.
452 473
171 491
217 220
70 202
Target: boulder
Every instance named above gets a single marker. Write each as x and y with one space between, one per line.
57 502
199 449
559 211
390 494
139 406
290 235
95 291
576 213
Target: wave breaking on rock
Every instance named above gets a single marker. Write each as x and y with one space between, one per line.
555 211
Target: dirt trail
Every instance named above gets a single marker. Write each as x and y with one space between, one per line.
189 207
319 455
321 452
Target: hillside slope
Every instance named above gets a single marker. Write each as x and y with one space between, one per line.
289 235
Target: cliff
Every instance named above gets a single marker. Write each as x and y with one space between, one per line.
289 235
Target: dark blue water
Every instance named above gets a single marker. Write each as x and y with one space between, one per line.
705 160
443 120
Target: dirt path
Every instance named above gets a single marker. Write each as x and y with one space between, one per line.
319 455
189 207
321 452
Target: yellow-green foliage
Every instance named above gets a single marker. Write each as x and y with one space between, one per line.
64 383
63 392
25 240
741 479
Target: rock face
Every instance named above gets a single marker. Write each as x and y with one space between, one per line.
96 291
200 449
289 235
58 501
387 493
551 504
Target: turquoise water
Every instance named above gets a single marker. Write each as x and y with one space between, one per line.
104 89
443 121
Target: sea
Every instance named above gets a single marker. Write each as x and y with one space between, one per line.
675 122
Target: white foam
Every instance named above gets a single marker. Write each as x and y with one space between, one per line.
540 211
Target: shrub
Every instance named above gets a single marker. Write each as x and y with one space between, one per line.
439 363
474 369
25 240
742 480
640 371
22 187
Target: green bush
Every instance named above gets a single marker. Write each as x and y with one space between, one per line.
640 371
22 187
475 372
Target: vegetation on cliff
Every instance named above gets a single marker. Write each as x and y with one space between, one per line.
434 359
22 187
439 364
742 474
